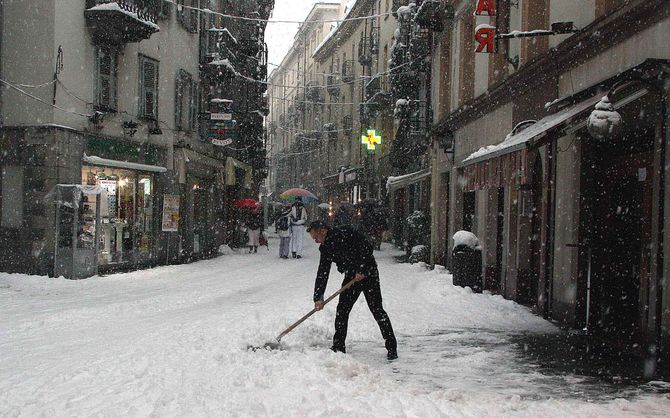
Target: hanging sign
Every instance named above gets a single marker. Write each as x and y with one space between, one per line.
485 35
221 116
221 130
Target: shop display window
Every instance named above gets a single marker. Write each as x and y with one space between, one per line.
126 211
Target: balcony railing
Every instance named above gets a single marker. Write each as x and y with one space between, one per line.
122 21
314 92
333 85
348 71
347 123
364 50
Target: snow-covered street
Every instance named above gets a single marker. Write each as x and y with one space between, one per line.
172 341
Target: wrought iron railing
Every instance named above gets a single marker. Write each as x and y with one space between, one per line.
144 9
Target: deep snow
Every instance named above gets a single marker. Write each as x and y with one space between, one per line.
172 341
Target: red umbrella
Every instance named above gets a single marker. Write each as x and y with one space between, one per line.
246 203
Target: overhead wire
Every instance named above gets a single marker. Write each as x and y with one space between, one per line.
257 19
25 93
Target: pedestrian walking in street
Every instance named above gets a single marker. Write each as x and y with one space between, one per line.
254 228
353 255
373 221
282 227
298 218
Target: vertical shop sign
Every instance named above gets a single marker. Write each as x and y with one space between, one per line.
485 35
171 213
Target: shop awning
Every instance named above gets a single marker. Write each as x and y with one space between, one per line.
507 162
539 129
105 162
231 165
394 183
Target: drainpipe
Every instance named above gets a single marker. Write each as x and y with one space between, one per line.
660 350
1 73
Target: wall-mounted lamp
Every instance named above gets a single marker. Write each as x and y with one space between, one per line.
604 122
129 128
97 118
155 129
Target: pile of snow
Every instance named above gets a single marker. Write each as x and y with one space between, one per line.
406 13
466 238
603 120
226 31
224 63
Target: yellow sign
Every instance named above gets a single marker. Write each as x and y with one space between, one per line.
371 140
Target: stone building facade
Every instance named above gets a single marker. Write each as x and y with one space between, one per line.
116 96
570 215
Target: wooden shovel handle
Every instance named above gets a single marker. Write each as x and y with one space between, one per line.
310 313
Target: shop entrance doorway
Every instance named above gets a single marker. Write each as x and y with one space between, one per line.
620 245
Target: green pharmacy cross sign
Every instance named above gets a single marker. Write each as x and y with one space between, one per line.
371 140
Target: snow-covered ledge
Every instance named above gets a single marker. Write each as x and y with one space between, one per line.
94 160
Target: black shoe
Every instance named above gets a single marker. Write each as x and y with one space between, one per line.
392 355
338 349
294 256
298 256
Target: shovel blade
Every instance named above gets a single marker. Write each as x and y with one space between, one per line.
266 346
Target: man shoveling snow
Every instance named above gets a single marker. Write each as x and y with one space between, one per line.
353 255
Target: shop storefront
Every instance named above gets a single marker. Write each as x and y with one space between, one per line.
127 216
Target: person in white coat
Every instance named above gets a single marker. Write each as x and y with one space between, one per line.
298 218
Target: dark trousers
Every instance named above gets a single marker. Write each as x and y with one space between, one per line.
373 296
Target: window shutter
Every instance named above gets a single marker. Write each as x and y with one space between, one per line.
193 17
177 101
193 108
149 96
106 78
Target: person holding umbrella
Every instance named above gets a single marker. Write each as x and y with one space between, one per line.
297 218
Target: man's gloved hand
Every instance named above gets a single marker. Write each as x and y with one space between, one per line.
318 305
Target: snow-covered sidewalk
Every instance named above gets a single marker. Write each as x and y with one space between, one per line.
172 341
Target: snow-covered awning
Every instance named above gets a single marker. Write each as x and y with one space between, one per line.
105 162
394 183
539 129
520 140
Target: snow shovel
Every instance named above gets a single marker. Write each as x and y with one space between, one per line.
276 345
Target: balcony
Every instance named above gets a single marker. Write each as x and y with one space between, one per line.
330 130
378 96
314 92
347 124
432 14
250 46
396 5
216 44
299 103
333 85
364 50
419 44
264 107
348 71
122 21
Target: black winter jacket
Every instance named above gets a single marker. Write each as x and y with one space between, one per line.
350 251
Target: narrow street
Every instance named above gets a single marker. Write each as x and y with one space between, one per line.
172 341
